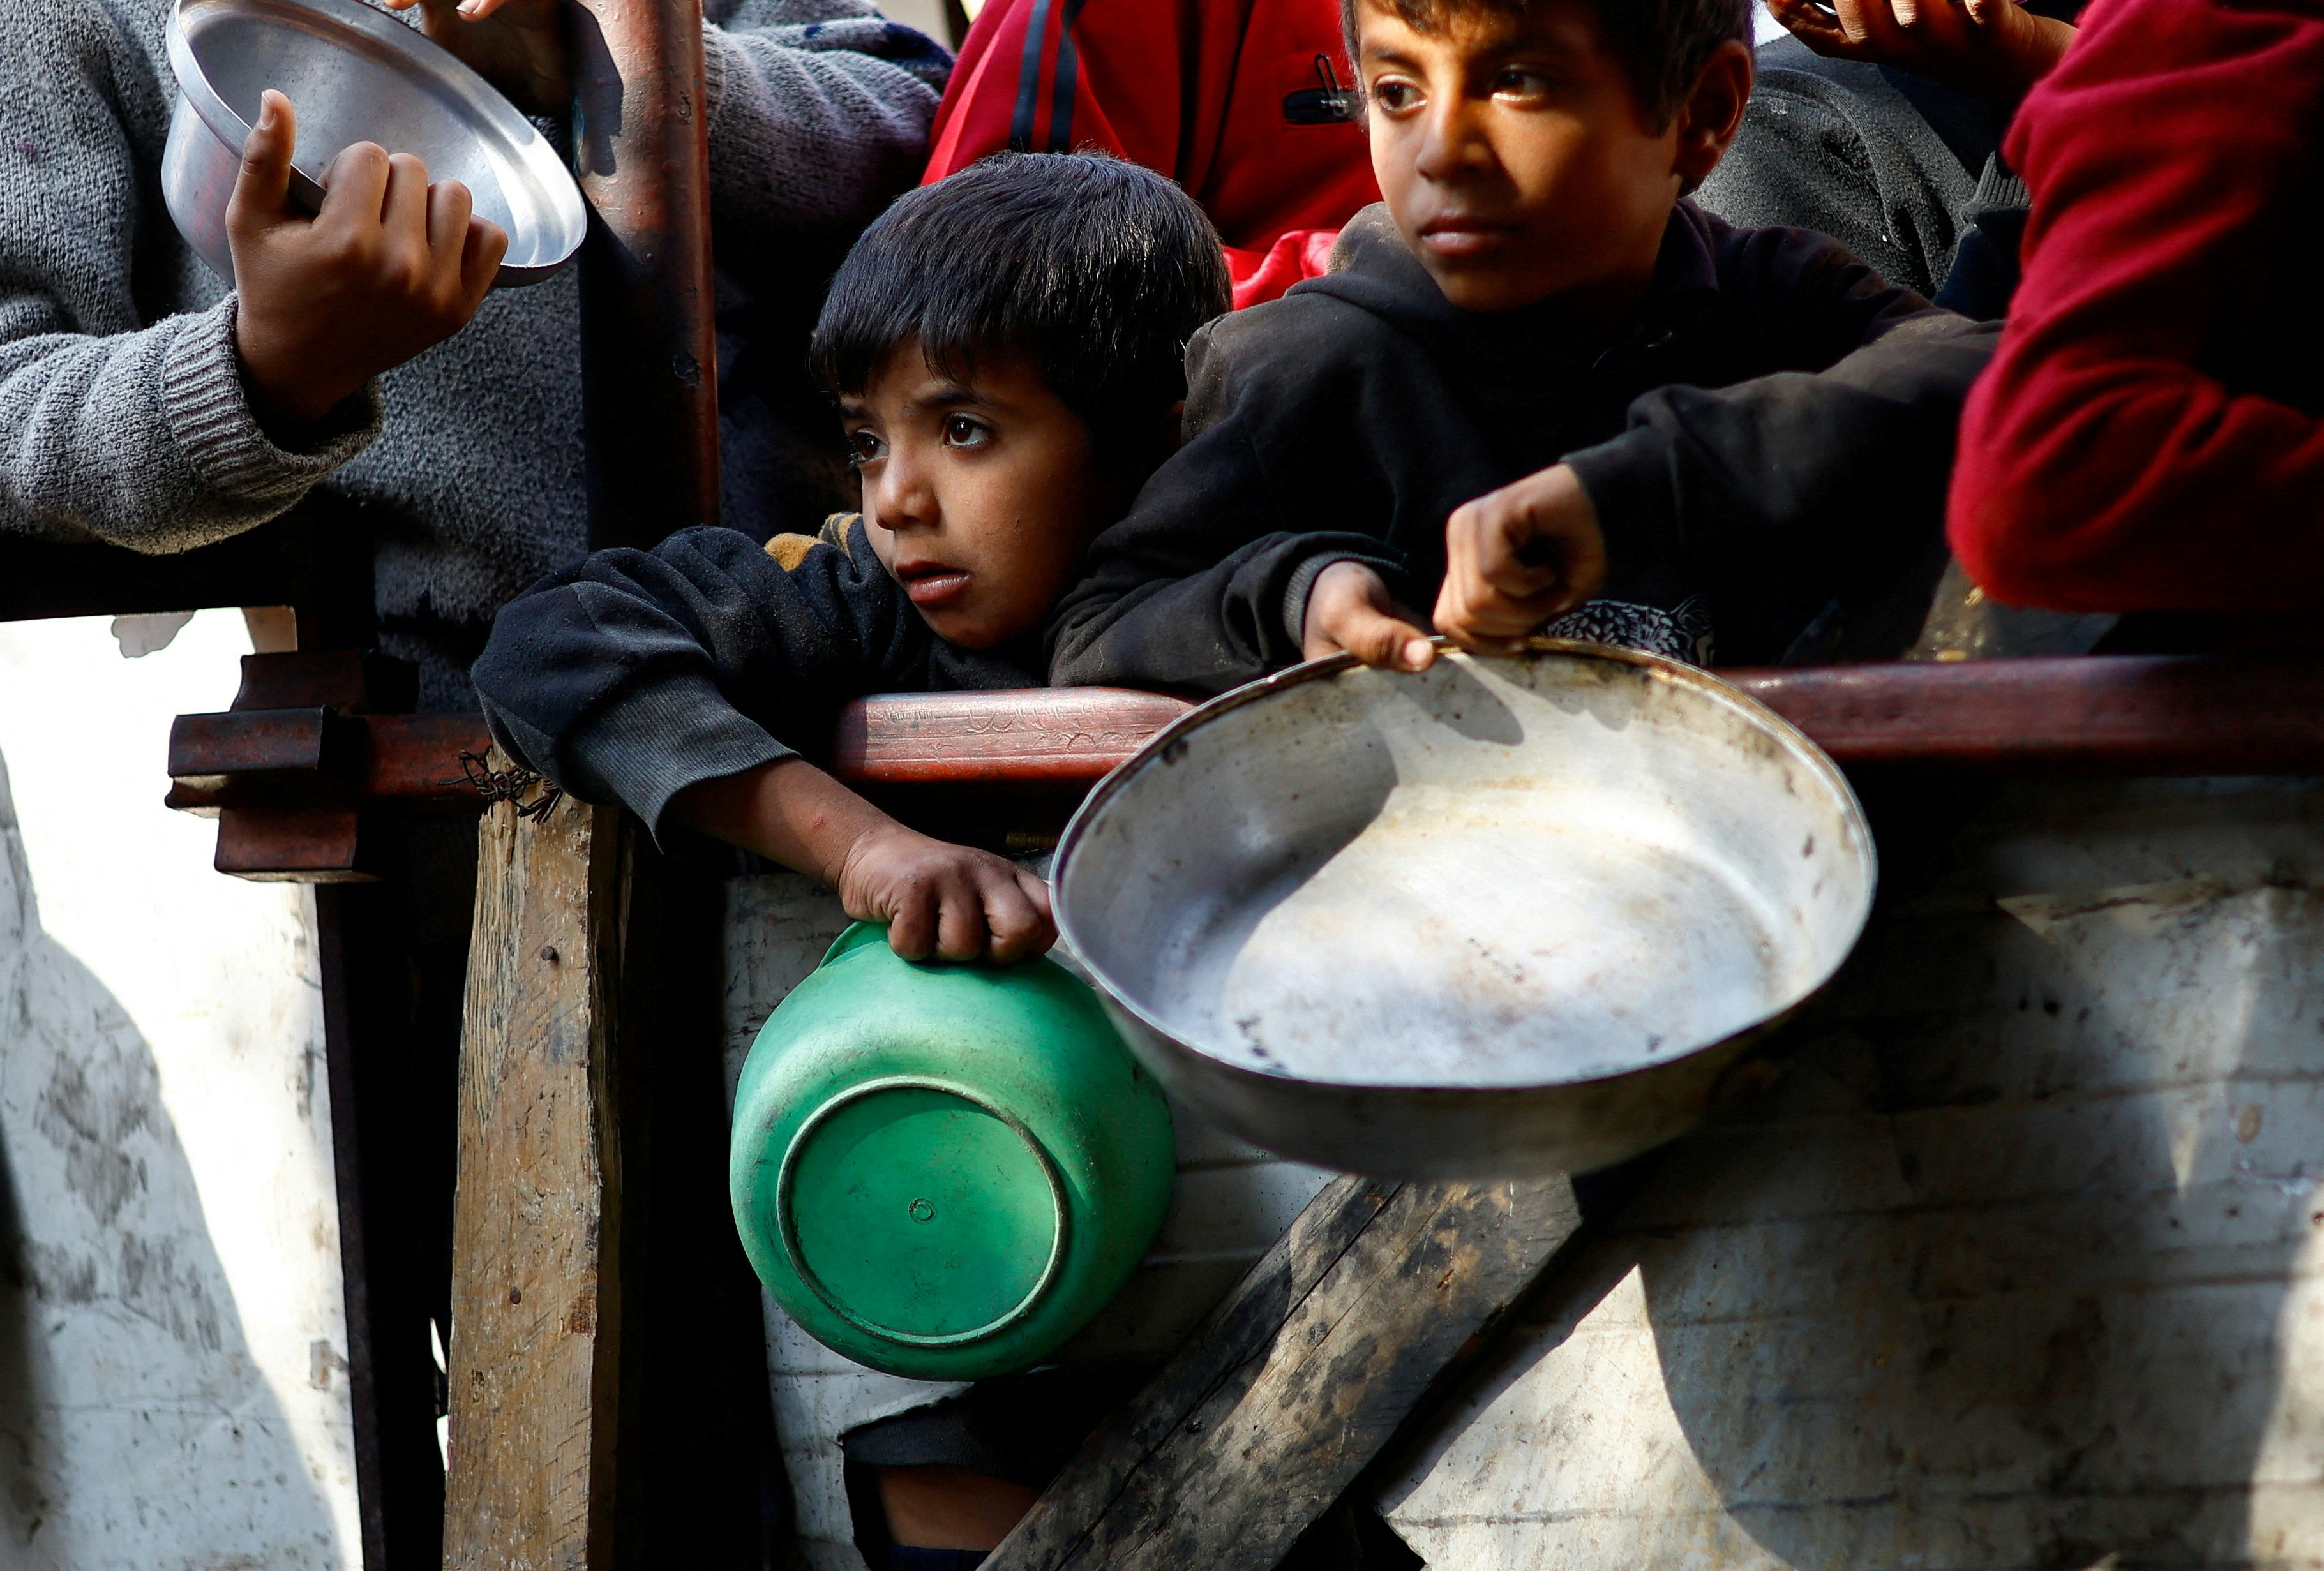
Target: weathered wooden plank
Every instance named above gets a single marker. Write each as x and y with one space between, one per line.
1070 734
1293 1383
536 1309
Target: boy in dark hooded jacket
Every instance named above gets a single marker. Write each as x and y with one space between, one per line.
1535 366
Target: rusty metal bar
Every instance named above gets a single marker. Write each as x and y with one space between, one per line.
2120 715
649 347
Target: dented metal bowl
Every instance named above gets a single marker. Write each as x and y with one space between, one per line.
1507 916
354 73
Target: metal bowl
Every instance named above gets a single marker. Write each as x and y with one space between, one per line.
1503 917
354 73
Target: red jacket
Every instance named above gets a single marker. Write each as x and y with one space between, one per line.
1231 98
2123 452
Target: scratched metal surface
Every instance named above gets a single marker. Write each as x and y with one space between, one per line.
1494 877
2022 1266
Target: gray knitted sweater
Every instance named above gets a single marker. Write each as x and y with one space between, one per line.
123 416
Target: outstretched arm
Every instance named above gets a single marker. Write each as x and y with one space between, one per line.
1995 49
662 680
950 901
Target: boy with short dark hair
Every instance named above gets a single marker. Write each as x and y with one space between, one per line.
1538 373
1006 347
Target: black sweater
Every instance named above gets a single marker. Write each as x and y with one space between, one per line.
636 674
1770 435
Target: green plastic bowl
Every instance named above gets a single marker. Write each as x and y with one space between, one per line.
944 1171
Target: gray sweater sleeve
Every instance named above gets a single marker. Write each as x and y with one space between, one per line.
819 113
111 430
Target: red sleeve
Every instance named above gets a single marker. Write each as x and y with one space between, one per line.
1194 89
2106 464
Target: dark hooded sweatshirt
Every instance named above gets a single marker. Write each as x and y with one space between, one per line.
1766 443
632 675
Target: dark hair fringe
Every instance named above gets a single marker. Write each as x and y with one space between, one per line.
1663 44
1096 270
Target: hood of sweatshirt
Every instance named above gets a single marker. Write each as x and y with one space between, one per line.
1373 269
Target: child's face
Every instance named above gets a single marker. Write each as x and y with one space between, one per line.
1516 156
981 495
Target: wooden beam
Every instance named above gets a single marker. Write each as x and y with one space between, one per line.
1286 1391
535 1366
1066 734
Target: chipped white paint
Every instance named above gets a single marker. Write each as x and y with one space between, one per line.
927 15
172 1391
2018 1268
1230 1203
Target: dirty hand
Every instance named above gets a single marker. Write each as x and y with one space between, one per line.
1350 608
960 904
1517 556
391 266
522 47
1995 49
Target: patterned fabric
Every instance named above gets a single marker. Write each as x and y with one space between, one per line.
1680 633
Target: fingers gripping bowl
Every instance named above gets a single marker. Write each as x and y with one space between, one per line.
1506 916
354 74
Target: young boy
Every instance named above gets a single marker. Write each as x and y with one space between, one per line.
1006 348
1740 436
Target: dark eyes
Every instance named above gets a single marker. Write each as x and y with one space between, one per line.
865 445
1393 96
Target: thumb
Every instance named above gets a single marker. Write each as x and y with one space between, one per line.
261 190
1388 642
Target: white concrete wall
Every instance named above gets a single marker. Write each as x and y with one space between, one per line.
2021 1266
173 1393
927 15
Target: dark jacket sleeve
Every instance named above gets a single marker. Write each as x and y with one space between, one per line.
1189 590
1813 482
636 674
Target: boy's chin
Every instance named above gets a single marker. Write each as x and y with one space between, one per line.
1482 287
966 630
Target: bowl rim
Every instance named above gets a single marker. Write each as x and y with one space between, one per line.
786 1196
232 130
1310 671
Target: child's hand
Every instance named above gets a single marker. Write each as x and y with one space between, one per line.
391 266
1995 49
960 904
1517 556
522 47
1350 608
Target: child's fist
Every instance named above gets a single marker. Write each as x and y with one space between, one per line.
1350 608
1517 556
391 266
960 904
